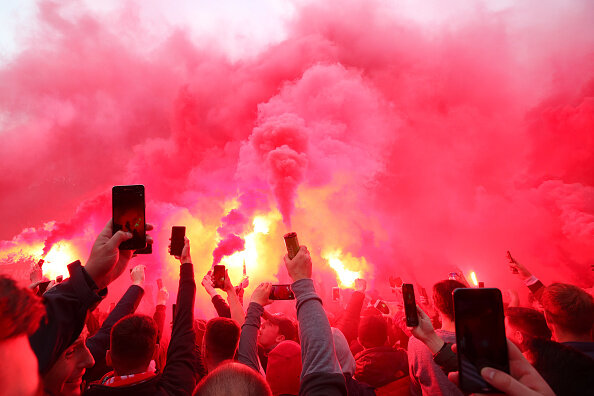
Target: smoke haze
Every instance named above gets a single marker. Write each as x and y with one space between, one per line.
413 145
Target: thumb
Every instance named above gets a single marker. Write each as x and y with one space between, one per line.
504 382
119 237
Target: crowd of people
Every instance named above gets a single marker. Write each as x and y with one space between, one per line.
54 343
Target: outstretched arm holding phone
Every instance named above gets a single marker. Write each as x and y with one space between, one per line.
247 352
68 302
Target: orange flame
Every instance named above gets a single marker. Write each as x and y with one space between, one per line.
346 277
474 279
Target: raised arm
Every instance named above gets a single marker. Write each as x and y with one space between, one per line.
531 281
219 303
99 343
178 374
160 311
235 306
68 302
321 373
247 352
349 322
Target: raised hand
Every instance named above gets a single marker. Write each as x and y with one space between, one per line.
106 261
262 294
137 275
300 266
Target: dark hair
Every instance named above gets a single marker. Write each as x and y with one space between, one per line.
20 310
529 322
566 370
133 340
286 326
221 338
373 331
442 296
569 307
233 379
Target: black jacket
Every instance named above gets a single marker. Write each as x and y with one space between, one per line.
178 375
67 305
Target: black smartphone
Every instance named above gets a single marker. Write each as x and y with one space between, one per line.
480 336
410 305
382 307
147 250
218 276
281 292
335 293
128 215
177 240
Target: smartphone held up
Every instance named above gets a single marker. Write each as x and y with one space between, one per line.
218 276
281 292
178 234
480 336
128 213
410 305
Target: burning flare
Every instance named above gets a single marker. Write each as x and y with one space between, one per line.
474 279
346 277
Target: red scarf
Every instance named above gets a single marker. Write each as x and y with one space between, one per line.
112 380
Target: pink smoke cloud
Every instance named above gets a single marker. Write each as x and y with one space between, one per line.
418 146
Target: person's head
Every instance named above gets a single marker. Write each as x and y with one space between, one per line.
443 299
373 331
343 352
569 312
525 324
283 371
20 314
133 344
276 329
233 379
220 341
65 376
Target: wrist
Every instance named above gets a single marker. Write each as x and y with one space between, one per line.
95 276
434 343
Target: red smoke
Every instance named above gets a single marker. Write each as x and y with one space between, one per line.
231 244
417 144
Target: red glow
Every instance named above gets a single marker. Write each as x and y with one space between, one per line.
412 147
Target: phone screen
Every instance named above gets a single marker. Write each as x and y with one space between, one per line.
335 293
218 276
281 292
128 215
480 336
410 305
177 240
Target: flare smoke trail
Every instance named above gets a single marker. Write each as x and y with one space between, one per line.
412 144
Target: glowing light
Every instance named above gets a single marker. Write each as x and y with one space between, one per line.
261 225
346 277
57 260
473 277
254 253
